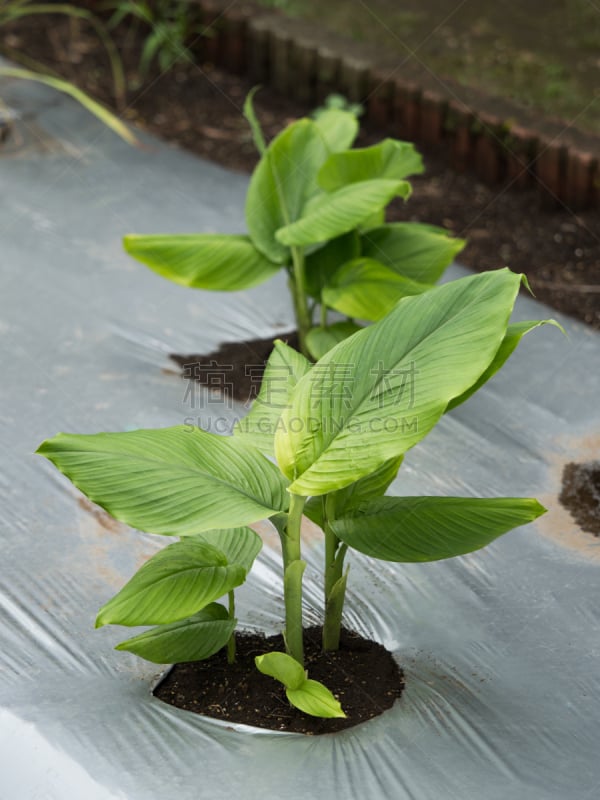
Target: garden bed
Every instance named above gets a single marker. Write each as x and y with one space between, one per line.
501 690
199 107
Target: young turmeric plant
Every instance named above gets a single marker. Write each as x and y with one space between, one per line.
316 208
323 440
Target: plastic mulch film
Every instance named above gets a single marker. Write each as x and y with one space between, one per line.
501 648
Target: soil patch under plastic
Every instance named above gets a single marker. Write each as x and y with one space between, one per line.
581 494
362 674
235 369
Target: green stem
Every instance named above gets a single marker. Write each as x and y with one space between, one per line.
335 580
323 315
298 288
292 579
231 642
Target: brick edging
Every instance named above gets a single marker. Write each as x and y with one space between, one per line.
500 142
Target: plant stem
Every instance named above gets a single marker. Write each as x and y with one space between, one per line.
335 581
298 289
231 642
323 315
292 579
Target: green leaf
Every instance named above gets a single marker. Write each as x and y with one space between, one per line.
175 583
331 215
238 545
390 159
416 251
514 334
378 393
250 114
339 128
284 369
177 480
154 41
307 695
192 639
431 528
320 340
321 265
103 114
315 699
373 485
282 184
366 289
203 260
282 667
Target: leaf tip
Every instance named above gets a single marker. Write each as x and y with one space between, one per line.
538 509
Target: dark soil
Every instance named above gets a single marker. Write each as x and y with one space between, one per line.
581 494
199 107
235 370
362 675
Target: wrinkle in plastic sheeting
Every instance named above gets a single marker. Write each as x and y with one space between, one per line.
500 648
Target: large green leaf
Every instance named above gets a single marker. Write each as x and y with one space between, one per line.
367 289
284 369
238 545
390 159
378 393
412 249
320 340
431 528
338 127
204 260
175 583
177 480
282 184
192 639
514 334
320 265
331 215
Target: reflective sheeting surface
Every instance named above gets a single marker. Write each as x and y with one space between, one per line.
501 648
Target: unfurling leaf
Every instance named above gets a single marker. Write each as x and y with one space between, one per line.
284 369
307 695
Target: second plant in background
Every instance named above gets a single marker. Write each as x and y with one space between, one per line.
316 208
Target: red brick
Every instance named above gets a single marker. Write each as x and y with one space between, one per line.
550 172
579 180
433 112
258 50
380 99
303 66
328 63
407 110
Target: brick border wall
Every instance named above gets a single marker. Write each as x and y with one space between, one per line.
499 142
